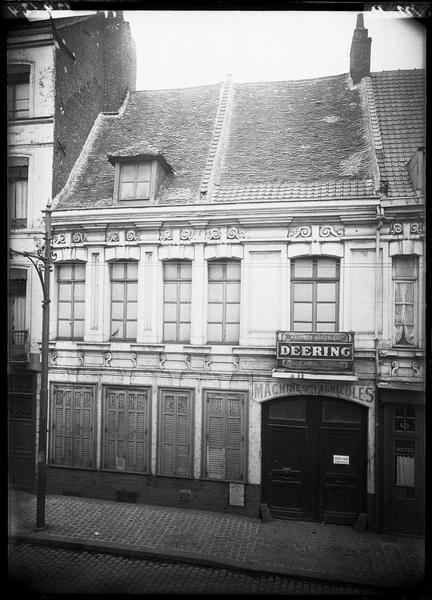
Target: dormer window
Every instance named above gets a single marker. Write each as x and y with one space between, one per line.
139 172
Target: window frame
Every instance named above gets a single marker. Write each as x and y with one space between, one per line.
135 201
65 386
147 432
414 279
125 282
224 303
178 303
13 180
314 280
244 428
190 392
72 301
13 79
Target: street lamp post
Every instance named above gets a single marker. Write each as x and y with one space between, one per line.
42 261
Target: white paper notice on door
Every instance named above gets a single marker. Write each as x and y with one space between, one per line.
340 459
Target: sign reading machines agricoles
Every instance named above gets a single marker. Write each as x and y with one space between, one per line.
318 352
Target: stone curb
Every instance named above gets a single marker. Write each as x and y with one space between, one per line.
39 538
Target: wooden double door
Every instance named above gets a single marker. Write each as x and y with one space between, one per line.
314 459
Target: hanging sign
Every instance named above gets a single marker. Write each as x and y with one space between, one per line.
317 352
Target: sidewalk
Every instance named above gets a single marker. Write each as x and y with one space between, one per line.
328 552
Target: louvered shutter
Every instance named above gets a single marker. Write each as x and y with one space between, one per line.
58 428
175 431
216 437
234 438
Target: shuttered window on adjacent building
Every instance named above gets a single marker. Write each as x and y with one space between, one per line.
225 436
72 439
175 442
126 427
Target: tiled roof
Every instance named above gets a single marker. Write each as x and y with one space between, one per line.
346 187
296 131
400 100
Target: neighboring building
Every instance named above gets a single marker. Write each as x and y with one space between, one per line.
238 301
61 75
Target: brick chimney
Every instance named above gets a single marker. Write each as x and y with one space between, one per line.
360 52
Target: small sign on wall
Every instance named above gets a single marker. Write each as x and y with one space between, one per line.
340 459
120 463
236 494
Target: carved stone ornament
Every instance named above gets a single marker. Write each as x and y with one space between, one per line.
60 238
207 362
394 368
78 237
186 234
416 228
112 236
187 360
234 233
213 234
162 360
304 231
107 359
53 358
166 235
236 363
81 357
131 236
416 366
133 358
328 230
396 229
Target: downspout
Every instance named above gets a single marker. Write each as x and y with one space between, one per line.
378 275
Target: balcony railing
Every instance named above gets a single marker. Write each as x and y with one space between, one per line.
18 344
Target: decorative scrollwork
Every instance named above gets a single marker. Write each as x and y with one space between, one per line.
78 237
234 233
107 359
112 236
416 228
131 236
187 360
394 368
162 360
60 238
186 234
207 362
133 358
304 231
328 230
53 358
213 234
396 228
236 363
416 368
166 235
81 357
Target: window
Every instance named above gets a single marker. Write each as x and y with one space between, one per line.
18 90
134 181
223 301
16 313
71 301
225 436
177 301
127 429
72 439
405 277
314 294
175 439
17 191
124 284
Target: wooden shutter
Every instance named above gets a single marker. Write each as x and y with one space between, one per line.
225 436
73 425
175 432
126 430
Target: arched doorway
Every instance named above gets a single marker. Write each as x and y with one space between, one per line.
314 458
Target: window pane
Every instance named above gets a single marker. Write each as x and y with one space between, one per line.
326 267
127 173
117 270
325 327
303 312
117 310
79 329
170 292
64 292
117 291
185 292
214 333
232 333
126 191
184 332
326 291
131 329
186 270
233 313
170 312
292 409
340 412
142 190
404 266
64 329
185 312
143 172
117 329
215 292
79 291
79 310
326 312
303 291
79 271
215 313
131 310
65 272
64 310
404 292
233 269
215 270
170 332
170 270
132 270
299 326
233 292
303 267
132 291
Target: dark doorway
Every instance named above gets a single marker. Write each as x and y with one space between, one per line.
314 459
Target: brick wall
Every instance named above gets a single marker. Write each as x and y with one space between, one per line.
159 491
360 54
104 66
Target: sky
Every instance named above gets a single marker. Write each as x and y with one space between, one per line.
188 48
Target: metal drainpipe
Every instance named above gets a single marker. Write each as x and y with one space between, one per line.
378 274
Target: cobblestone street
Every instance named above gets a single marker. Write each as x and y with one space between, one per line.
47 570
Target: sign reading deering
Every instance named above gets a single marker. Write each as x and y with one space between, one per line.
318 352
